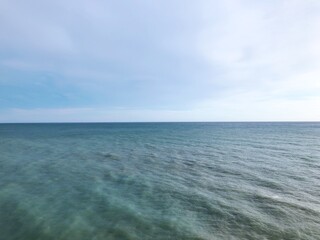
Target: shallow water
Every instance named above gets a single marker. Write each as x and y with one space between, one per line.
160 181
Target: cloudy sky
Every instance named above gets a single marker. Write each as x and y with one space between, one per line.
159 60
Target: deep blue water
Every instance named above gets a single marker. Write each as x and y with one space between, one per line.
160 181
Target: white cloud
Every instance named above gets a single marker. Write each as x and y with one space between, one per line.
262 41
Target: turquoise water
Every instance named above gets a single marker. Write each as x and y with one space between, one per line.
160 181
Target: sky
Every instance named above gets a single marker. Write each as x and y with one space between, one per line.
159 60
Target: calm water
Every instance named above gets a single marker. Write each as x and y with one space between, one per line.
160 181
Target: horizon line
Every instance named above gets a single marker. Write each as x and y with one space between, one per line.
93 122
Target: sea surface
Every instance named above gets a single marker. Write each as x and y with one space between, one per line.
160 181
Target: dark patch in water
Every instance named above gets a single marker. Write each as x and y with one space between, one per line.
110 156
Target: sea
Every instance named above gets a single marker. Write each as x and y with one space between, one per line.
100 181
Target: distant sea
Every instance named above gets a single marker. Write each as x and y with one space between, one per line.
160 181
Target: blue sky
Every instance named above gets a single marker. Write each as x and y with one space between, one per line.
177 60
